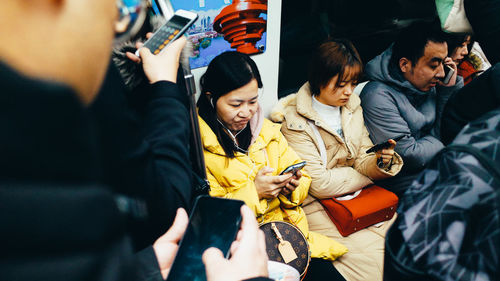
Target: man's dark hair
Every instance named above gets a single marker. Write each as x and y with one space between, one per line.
412 40
333 58
226 72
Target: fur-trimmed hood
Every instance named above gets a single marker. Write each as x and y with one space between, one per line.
278 111
131 72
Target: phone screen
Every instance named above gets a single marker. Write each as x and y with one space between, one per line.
169 32
214 222
178 22
293 168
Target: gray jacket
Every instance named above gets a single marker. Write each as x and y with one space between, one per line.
393 106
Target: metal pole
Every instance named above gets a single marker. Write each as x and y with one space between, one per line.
196 148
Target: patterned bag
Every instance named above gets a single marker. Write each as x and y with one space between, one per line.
448 225
287 244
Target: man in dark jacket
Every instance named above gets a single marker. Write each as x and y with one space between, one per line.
406 96
58 223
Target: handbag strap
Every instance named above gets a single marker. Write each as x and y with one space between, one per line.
288 216
319 139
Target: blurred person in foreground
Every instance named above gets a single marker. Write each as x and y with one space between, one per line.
58 223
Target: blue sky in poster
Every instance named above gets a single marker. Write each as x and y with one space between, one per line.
195 4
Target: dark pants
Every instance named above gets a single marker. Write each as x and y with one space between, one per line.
469 103
320 269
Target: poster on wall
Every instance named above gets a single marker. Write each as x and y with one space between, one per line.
225 25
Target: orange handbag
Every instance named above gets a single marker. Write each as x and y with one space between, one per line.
374 204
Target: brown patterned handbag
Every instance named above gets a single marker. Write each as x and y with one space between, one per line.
287 244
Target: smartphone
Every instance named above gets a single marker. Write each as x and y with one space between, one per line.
293 168
214 222
385 144
170 31
448 73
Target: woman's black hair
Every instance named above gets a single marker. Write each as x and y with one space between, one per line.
226 72
455 40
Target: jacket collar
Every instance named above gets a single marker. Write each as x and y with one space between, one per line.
381 69
305 109
261 134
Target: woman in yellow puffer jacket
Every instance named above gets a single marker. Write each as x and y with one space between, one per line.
244 154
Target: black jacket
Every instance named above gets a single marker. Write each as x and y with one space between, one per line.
448 225
144 140
484 91
56 222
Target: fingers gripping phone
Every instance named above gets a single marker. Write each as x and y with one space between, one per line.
214 222
448 73
385 144
293 168
175 27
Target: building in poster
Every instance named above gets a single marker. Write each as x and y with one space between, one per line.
239 25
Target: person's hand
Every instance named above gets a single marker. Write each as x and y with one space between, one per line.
384 156
292 184
166 246
269 186
449 62
163 66
138 45
248 254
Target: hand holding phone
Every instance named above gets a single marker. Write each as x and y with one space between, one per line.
385 144
164 66
166 246
293 168
448 73
214 222
267 185
248 259
170 31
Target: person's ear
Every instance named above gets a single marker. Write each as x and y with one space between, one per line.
210 99
404 65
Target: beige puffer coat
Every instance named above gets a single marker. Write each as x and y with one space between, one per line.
348 169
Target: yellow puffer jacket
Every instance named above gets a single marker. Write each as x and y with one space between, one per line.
234 178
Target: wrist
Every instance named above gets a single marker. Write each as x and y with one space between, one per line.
257 189
382 165
156 79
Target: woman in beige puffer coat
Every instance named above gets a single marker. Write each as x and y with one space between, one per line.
348 167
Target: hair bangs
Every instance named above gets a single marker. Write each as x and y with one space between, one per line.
350 73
